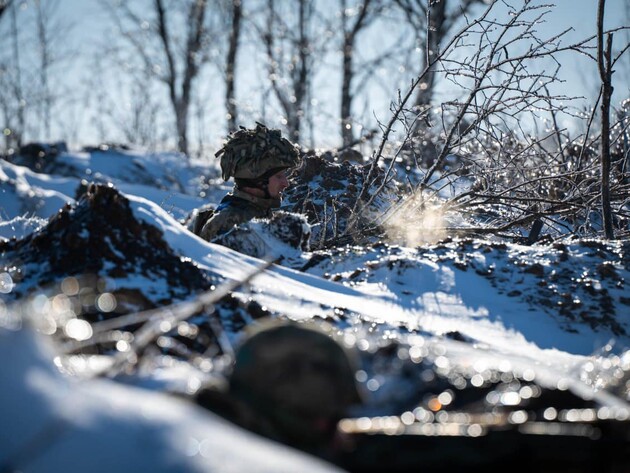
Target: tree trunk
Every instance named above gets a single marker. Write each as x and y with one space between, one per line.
291 98
301 77
349 38
604 63
18 132
346 100
181 123
44 51
435 34
180 97
230 99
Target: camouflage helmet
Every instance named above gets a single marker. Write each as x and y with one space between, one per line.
251 153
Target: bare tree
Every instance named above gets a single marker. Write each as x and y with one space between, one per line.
172 58
180 96
123 107
290 56
236 14
4 5
17 86
432 21
498 173
604 64
353 21
44 68
139 121
29 65
51 29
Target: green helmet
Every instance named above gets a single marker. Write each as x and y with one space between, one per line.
251 153
297 377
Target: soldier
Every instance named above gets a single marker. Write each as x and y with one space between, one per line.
258 160
290 382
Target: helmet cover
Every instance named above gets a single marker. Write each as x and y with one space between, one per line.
251 153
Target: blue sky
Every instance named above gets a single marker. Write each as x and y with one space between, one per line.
92 27
581 15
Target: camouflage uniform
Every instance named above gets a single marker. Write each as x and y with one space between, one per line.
249 156
234 209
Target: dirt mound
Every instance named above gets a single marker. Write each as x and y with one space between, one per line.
100 236
102 262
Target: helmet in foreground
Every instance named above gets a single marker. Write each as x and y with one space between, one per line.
298 378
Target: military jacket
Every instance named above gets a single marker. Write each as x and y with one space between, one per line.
234 209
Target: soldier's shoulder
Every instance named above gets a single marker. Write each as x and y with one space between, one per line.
198 218
227 215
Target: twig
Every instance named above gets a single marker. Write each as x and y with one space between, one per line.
159 319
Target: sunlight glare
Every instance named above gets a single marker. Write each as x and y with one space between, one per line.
78 329
6 283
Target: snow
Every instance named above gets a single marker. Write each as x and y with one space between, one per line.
431 297
165 178
441 301
52 422
19 227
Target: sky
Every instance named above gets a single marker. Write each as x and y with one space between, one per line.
581 15
92 27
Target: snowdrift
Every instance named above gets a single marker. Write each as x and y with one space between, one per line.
464 344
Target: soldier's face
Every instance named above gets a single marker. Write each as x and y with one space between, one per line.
277 183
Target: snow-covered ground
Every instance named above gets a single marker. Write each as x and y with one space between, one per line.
55 424
558 315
